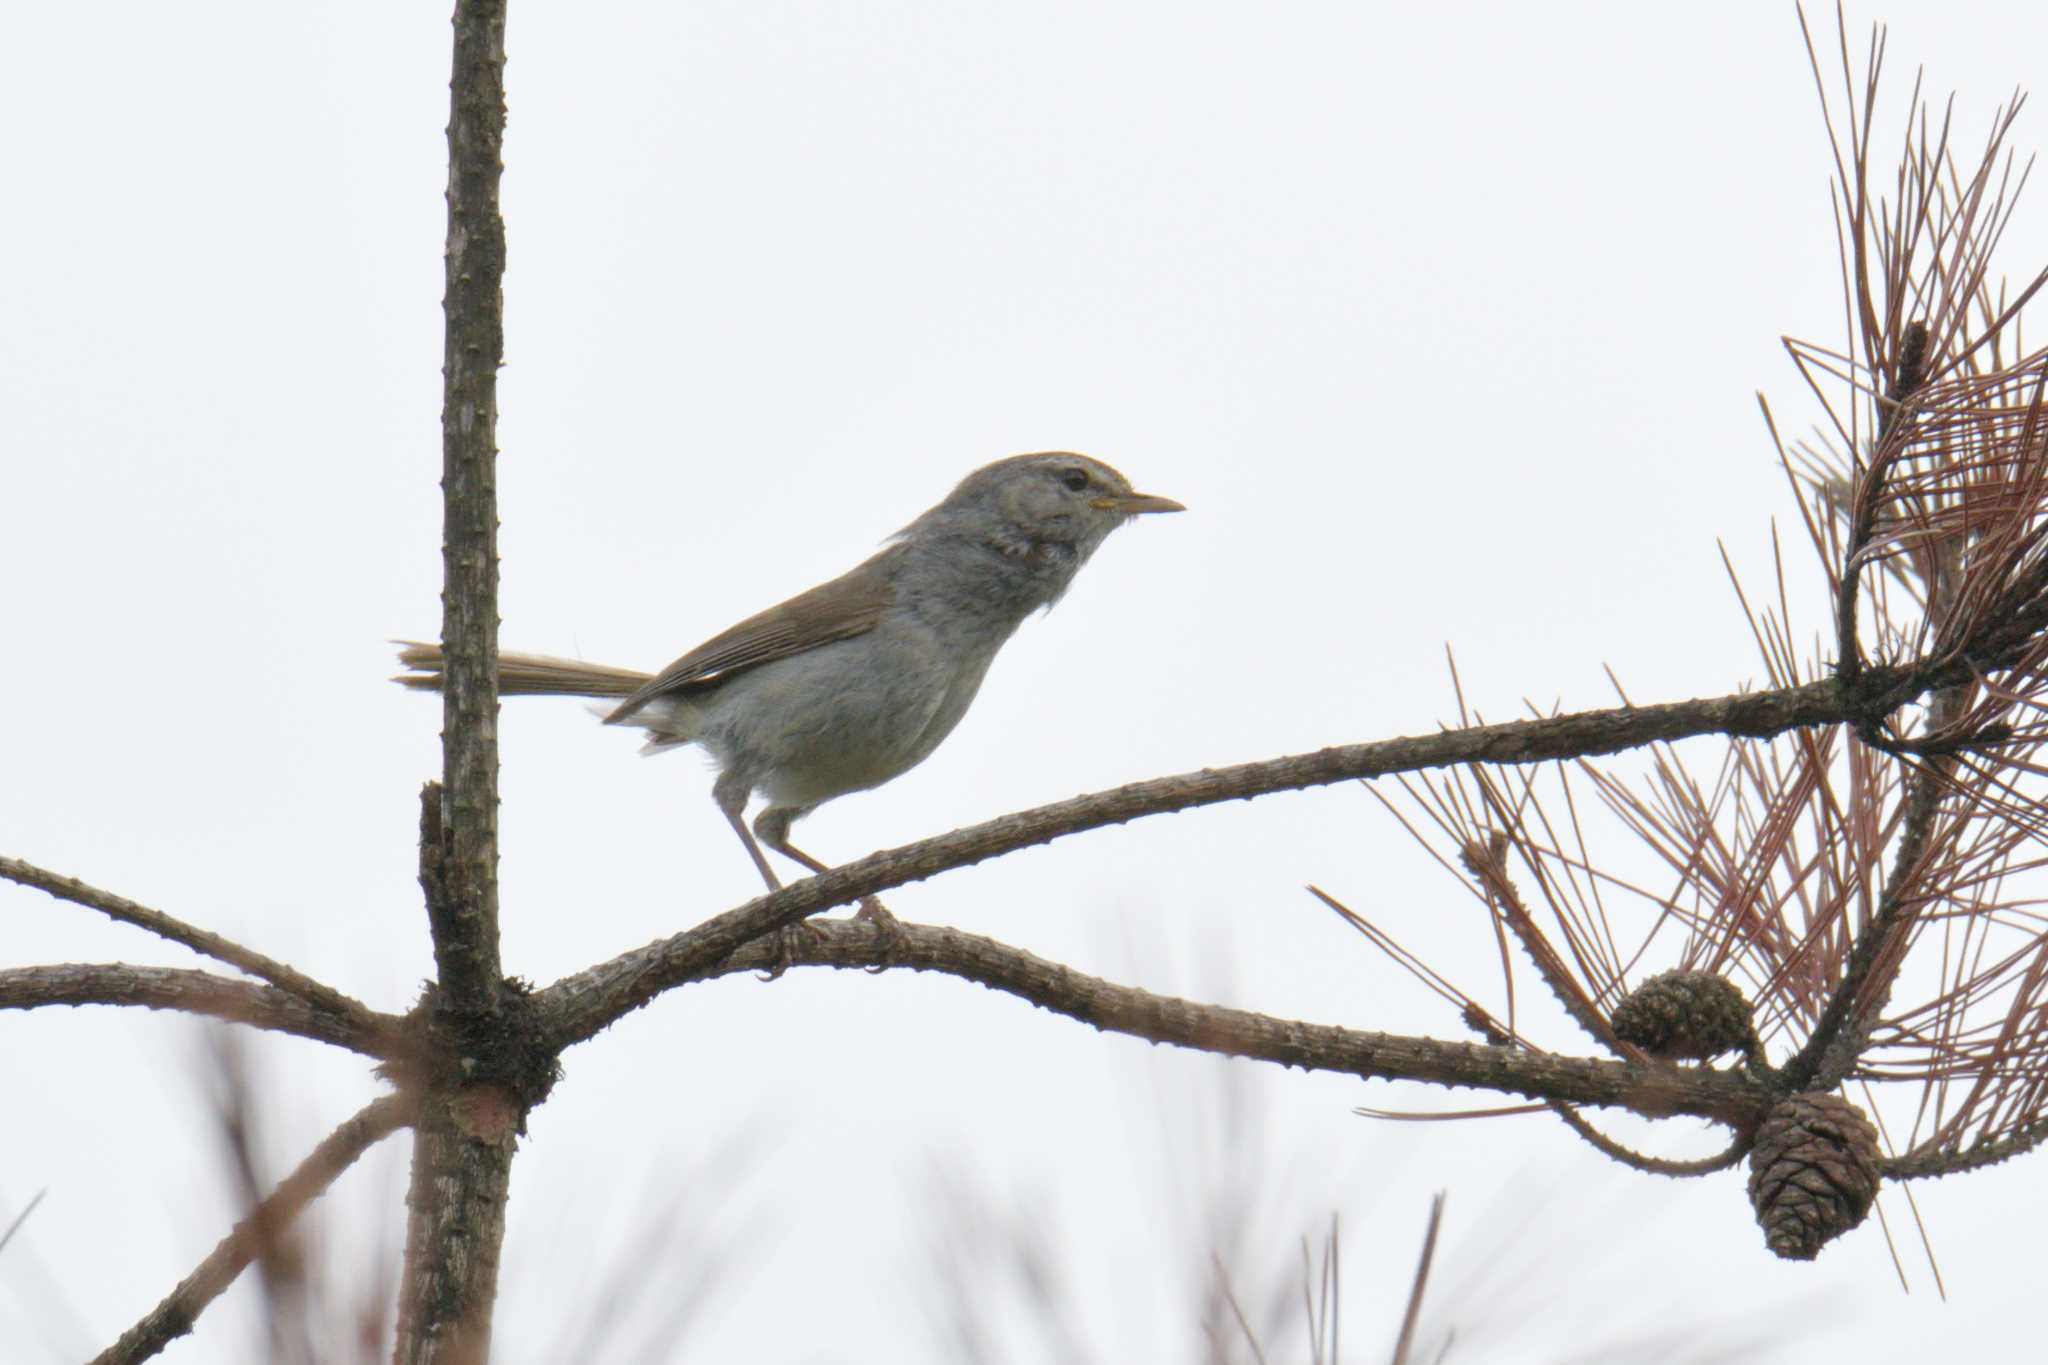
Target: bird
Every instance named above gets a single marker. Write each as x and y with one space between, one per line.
855 682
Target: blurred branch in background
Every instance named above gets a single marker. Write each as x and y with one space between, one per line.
1226 1262
264 1234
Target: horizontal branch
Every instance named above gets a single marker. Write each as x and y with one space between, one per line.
596 997
194 992
119 908
1922 1165
1654 1089
174 1317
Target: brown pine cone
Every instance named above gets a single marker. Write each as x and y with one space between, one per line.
1680 1014
1812 1173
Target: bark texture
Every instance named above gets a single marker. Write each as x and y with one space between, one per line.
463 1142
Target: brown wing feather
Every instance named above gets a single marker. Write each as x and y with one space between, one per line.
847 606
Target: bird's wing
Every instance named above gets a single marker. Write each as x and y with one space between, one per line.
847 606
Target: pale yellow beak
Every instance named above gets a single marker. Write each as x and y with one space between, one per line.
1131 504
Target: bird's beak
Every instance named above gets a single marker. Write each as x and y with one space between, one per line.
1131 504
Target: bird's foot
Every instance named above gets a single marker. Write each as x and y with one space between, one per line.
888 929
790 940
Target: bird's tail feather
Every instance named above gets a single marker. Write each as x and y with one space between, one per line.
524 674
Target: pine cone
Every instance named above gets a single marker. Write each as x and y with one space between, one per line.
1681 1014
1812 1173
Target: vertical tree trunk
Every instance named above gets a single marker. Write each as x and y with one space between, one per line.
463 1143
466 926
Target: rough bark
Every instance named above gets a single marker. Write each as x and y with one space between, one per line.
465 924
462 1150
195 992
583 1004
1654 1088
121 910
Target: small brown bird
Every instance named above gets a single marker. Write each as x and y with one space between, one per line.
858 680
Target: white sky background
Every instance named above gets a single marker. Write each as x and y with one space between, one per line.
1445 325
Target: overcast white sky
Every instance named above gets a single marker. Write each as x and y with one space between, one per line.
1445 322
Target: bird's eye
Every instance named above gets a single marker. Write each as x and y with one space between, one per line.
1076 479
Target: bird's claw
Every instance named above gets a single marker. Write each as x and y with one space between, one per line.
789 940
888 929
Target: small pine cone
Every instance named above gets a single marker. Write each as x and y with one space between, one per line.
1812 1173
1681 1014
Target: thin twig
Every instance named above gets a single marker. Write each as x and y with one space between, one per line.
1405 1342
174 1317
1910 374
279 1253
1627 1156
1642 1161
1251 1338
1926 1165
1830 1051
22 1217
1487 862
196 992
287 979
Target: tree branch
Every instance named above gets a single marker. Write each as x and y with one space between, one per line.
1652 1089
174 1317
1925 1165
1909 373
463 1143
466 927
1487 863
196 992
1642 1161
455 1226
321 998
592 999
1607 1146
1837 1039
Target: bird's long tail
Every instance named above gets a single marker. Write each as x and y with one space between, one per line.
524 674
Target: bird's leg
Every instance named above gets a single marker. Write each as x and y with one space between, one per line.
773 827
731 797
739 827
